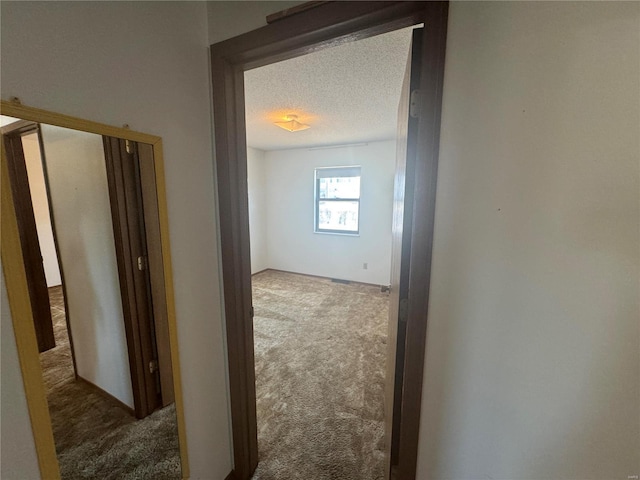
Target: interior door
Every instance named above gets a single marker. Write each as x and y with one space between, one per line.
401 248
125 194
155 263
34 266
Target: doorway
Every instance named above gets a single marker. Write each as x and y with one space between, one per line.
321 207
288 37
96 412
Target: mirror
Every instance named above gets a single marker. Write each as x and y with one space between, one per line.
90 226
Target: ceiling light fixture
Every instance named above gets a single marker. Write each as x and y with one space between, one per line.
292 124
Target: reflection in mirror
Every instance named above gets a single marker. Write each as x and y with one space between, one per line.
88 220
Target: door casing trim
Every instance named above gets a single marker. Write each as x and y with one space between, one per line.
12 136
326 25
13 266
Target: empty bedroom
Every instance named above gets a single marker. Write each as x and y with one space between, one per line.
321 165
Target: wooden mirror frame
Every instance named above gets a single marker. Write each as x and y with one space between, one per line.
17 291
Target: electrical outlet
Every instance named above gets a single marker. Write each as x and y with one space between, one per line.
365 266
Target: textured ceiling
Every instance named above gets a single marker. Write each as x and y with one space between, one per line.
347 94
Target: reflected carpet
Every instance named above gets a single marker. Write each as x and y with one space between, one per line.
95 437
320 350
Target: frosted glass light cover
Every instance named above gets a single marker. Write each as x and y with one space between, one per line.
292 124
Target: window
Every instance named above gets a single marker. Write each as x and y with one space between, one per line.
337 200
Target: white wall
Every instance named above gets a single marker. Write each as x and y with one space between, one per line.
18 458
144 64
292 244
231 18
533 365
256 173
79 192
40 204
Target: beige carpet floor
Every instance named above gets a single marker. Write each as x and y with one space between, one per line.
320 351
95 437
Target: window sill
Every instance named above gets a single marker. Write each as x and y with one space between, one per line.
346 234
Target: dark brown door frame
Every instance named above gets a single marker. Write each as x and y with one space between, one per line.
328 24
36 280
401 249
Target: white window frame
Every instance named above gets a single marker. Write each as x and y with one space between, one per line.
335 172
